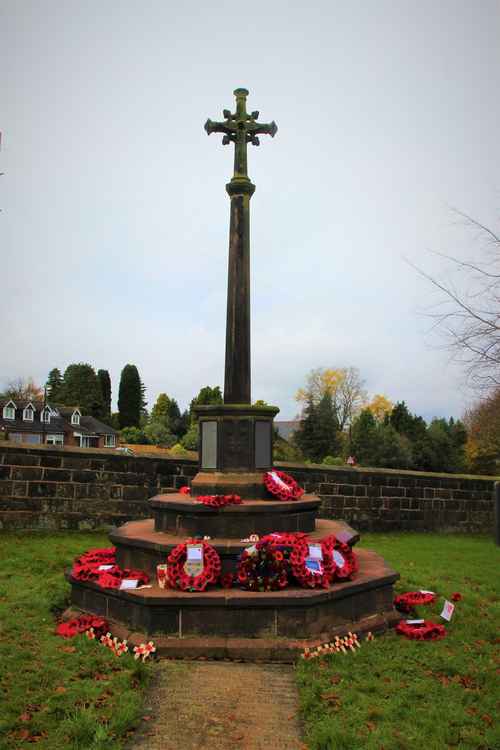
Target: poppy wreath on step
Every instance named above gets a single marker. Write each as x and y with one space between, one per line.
344 558
310 572
282 485
406 602
425 631
177 576
219 501
263 567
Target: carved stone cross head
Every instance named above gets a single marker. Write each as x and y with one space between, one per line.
241 128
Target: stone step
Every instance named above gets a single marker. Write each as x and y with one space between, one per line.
139 546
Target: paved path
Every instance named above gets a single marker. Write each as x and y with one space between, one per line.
221 706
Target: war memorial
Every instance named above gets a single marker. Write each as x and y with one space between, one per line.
236 502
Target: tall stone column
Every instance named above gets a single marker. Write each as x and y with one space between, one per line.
236 438
237 380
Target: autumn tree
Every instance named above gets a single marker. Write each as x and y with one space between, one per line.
482 421
23 389
380 407
345 387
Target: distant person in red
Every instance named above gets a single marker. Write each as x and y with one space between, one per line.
351 461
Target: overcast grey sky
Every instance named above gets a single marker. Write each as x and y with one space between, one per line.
114 226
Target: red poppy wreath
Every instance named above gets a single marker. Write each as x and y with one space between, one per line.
344 558
406 602
263 567
219 501
312 565
282 485
423 631
99 566
180 578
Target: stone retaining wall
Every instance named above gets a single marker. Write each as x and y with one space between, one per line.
64 488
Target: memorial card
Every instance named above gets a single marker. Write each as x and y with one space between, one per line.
194 559
105 567
339 558
315 551
314 559
448 610
314 566
128 583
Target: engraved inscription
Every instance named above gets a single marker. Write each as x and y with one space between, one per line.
236 444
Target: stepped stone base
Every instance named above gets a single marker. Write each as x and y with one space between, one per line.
293 613
232 623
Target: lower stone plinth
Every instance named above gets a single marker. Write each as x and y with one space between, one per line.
232 614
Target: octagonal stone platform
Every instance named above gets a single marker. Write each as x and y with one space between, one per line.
232 623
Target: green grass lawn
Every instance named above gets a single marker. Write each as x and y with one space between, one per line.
396 693
58 693
392 693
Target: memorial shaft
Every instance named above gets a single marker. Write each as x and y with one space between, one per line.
239 128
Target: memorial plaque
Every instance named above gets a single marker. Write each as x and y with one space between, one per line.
209 445
236 438
263 457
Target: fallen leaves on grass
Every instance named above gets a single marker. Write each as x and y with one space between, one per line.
333 699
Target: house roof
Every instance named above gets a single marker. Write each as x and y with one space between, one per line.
61 423
56 425
286 428
94 425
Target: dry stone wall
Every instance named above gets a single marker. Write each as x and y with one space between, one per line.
63 488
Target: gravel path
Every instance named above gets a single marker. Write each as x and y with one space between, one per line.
221 706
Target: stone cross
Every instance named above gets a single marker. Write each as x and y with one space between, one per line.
239 128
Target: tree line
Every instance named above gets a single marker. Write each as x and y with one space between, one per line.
338 421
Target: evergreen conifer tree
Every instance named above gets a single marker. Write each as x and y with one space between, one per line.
131 402
81 388
306 437
54 385
327 429
105 383
364 438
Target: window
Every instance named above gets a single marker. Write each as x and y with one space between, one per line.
9 410
109 441
45 415
24 437
55 439
75 417
28 413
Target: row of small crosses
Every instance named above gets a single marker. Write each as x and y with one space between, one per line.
337 646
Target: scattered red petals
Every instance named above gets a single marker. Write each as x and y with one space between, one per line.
456 597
